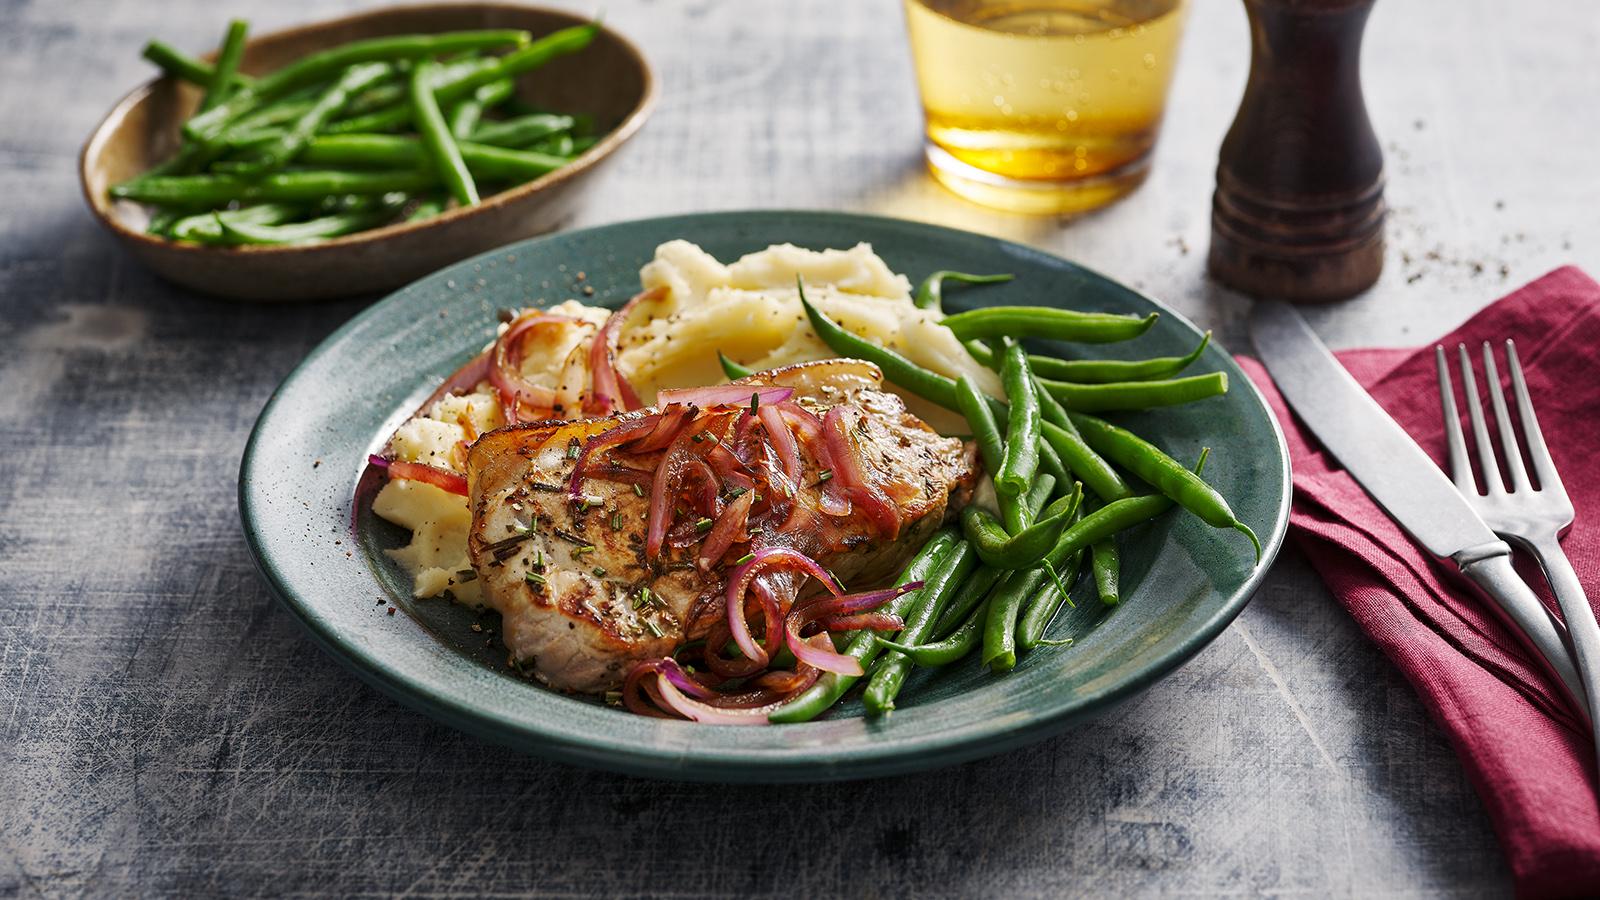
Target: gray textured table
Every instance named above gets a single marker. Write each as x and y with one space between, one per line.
165 727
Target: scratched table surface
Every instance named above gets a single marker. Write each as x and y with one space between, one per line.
165 728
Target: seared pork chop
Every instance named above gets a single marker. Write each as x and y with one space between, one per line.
630 558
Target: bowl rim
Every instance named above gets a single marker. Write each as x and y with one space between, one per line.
94 145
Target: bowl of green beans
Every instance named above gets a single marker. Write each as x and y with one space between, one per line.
355 155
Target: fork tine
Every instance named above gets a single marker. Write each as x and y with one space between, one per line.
1460 466
1480 429
1538 451
1510 450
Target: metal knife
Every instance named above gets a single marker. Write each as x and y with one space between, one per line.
1404 480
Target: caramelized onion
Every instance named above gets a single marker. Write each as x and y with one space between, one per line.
819 608
627 431
764 559
608 389
728 528
505 368
782 441
847 471
443 479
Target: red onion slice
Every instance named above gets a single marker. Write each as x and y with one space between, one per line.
505 367
725 395
739 582
608 388
729 527
829 607
707 714
627 431
846 462
671 421
782 441
442 479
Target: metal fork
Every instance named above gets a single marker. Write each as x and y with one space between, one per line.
1531 518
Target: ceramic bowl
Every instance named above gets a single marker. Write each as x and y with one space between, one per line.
609 80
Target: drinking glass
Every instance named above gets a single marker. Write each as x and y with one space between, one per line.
1043 106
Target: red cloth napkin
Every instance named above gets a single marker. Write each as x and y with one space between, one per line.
1526 753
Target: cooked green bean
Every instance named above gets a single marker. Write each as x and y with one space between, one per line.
733 370
930 294
1106 563
890 671
1023 427
1100 371
513 64
161 222
1044 322
563 144
392 151
466 114
288 145
1042 608
977 586
1026 547
327 64
442 149
972 404
280 113
1000 625
426 209
1132 395
204 227
521 131
178 64
952 647
383 96
310 185
863 645
322 228
222 77
1162 472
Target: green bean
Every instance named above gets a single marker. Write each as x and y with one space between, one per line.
954 646
384 99
1130 395
562 144
1100 371
1026 547
1044 322
582 144
513 64
1000 625
521 131
204 227
1106 563
890 671
161 222
1090 467
863 645
1022 429
466 114
930 294
1041 608
1103 523
325 65
318 229
280 113
393 151
977 586
222 77
972 404
426 209
733 370
178 64
311 185
288 145
1163 473
442 149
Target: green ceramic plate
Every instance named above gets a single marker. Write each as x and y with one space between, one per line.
1182 581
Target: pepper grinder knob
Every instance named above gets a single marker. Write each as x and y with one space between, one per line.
1298 211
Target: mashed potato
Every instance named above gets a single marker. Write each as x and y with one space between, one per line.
748 309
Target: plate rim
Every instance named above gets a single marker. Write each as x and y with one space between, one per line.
935 750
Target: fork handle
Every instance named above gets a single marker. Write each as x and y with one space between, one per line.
1489 567
1582 629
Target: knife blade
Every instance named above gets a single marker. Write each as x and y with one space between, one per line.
1401 477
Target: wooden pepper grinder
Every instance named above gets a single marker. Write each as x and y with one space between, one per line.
1298 211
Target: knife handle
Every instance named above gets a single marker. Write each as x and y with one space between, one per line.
1489 567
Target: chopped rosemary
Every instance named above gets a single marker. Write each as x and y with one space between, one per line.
581 550
739 491
598 572
536 578
744 559
654 628
573 448
616 521
755 403
638 490
698 437
826 474
614 698
754 531
703 525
